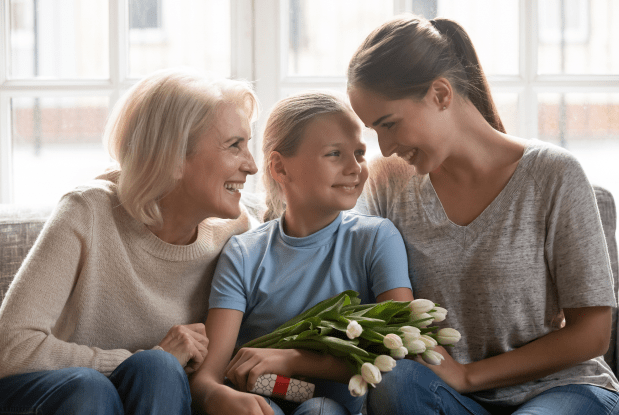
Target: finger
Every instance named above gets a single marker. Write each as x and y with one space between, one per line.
237 356
197 328
264 406
199 338
241 372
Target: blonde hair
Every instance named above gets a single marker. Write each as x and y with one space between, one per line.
156 125
284 133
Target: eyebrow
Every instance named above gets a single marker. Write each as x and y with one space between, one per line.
378 121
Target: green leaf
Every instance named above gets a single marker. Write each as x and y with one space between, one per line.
372 336
344 346
368 322
387 309
318 308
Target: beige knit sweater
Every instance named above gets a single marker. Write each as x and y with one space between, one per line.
98 286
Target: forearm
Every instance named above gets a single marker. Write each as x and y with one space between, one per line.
306 363
578 341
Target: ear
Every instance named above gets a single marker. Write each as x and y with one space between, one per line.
178 172
277 167
442 93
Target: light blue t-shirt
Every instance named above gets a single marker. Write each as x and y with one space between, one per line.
272 277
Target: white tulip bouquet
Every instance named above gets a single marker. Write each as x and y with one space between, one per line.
371 337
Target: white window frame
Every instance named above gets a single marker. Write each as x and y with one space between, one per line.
118 81
273 84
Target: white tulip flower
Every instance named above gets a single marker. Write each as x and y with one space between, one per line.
431 357
415 347
428 341
411 330
399 353
384 363
409 337
421 306
392 341
439 314
353 330
357 386
371 374
448 336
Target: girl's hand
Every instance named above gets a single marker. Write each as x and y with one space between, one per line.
188 343
250 363
226 401
450 371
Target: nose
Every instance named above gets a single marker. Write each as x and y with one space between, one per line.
386 148
353 166
249 165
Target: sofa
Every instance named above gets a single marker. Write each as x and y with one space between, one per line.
20 226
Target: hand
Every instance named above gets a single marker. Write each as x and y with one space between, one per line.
250 363
450 371
188 344
227 401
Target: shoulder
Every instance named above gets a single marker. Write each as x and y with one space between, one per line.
360 223
89 199
388 171
551 164
257 236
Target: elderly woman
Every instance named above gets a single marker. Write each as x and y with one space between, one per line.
105 315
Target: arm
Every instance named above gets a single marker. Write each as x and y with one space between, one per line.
38 295
586 335
207 388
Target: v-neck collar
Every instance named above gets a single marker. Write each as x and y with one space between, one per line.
465 234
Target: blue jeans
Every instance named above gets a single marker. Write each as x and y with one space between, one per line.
314 406
412 388
149 382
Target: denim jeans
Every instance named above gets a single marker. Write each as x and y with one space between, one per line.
412 388
149 382
314 406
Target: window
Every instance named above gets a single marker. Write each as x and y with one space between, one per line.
64 63
551 64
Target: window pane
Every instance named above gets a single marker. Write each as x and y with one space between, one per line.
576 37
588 126
507 105
492 26
323 34
167 33
56 145
59 39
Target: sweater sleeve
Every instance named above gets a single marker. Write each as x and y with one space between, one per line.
33 312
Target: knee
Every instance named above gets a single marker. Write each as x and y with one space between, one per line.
155 364
87 388
409 380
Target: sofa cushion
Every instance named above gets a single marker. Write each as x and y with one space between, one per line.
19 228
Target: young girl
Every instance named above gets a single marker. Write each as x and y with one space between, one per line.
314 172
503 231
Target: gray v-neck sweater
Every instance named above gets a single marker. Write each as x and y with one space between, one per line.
537 248
98 286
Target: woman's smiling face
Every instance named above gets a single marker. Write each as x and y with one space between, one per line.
412 129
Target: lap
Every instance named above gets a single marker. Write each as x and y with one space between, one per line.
572 400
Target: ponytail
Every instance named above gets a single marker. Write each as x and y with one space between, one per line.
405 55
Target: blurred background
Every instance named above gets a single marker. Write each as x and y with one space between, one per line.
552 66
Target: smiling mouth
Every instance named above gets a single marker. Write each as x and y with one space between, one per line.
347 188
408 156
233 187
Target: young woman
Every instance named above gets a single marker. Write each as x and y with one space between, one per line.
106 314
503 231
314 172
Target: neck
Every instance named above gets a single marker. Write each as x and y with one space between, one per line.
180 226
478 150
300 223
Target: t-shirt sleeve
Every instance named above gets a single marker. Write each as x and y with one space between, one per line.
389 264
227 290
576 249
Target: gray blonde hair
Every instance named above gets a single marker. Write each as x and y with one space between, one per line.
284 133
156 125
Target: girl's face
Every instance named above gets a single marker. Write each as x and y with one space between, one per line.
328 171
217 170
412 129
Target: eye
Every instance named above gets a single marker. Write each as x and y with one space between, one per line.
360 152
388 125
236 144
334 153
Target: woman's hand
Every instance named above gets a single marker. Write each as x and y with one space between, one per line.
188 343
250 363
450 371
227 401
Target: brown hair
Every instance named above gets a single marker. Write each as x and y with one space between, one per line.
402 58
284 133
